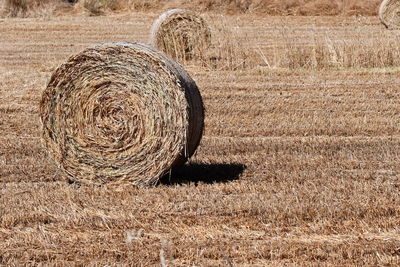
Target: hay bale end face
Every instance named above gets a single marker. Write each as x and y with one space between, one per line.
121 112
181 34
389 13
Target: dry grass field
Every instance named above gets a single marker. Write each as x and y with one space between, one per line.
299 163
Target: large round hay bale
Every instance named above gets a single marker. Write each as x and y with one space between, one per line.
121 112
389 13
180 33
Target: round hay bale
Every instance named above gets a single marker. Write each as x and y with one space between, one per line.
389 13
121 112
180 33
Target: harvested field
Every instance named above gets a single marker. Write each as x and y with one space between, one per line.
299 162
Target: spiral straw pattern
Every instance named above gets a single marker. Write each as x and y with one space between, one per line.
121 112
180 34
389 13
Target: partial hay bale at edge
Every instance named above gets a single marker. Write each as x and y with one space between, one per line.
121 112
180 34
389 13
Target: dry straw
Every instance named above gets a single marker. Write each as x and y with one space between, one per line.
181 34
389 13
121 112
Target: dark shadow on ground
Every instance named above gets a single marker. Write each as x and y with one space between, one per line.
204 173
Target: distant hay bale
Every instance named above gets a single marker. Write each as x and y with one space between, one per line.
180 33
389 13
121 112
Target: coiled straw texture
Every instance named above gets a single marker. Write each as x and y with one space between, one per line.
180 34
389 13
121 112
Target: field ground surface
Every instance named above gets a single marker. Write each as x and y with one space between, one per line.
299 164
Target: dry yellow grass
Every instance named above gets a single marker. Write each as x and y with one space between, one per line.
296 167
26 8
264 7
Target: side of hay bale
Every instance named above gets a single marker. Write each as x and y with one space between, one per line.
389 13
180 34
121 112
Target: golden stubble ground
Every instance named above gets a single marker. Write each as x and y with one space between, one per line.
296 166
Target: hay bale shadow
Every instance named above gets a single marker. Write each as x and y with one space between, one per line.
204 173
